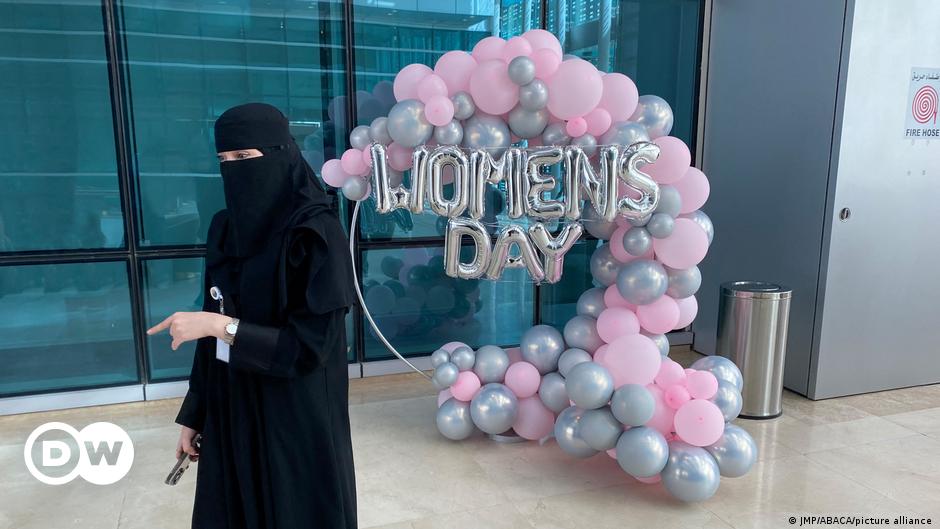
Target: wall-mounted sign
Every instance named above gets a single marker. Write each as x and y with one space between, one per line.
922 103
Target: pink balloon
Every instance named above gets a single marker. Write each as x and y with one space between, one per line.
575 89
523 379
701 384
600 353
616 244
367 157
353 163
451 346
439 110
673 162
685 247
659 316
333 173
467 385
612 453
430 87
652 480
693 189
663 415
676 396
598 121
576 127
541 39
612 298
670 374
516 47
620 96
515 354
455 67
399 157
492 89
546 63
533 420
699 422
406 81
488 49
443 396
615 322
688 309
632 359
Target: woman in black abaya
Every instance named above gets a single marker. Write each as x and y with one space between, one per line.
272 405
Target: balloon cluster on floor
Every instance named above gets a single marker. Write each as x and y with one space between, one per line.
604 383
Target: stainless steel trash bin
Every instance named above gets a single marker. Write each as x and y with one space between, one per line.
752 332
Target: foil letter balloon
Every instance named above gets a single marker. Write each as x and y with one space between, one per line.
456 229
631 208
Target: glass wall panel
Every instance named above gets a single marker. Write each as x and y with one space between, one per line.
192 60
559 301
418 308
170 285
655 42
65 326
57 138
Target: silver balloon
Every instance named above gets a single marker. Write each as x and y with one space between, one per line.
632 405
637 241
527 123
502 258
591 302
642 281
660 340
454 421
521 70
533 96
491 364
378 131
590 385
463 358
453 157
555 134
625 133
691 474
654 113
356 189
660 225
735 451
456 229
728 399
629 170
596 226
604 266
722 368
359 137
642 452
449 134
587 142
486 132
407 124
554 249
394 177
541 346
683 283
670 202
494 408
699 217
599 429
463 105
581 332
567 427
439 357
445 375
390 195
552 392
572 357
641 221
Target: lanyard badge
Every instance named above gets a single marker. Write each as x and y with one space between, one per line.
221 348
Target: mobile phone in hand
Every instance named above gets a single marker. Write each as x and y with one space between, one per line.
182 463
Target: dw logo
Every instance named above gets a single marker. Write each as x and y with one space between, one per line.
101 453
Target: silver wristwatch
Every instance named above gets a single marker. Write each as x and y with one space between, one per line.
230 329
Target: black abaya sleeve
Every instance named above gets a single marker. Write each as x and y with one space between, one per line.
316 287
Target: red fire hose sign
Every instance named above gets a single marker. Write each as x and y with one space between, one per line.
922 104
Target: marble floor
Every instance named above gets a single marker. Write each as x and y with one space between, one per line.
875 455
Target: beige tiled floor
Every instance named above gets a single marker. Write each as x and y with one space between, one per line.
869 455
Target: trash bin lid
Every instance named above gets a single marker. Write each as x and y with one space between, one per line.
755 289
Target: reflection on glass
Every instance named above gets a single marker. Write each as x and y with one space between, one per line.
170 285
559 301
419 308
58 174
65 326
189 61
655 42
